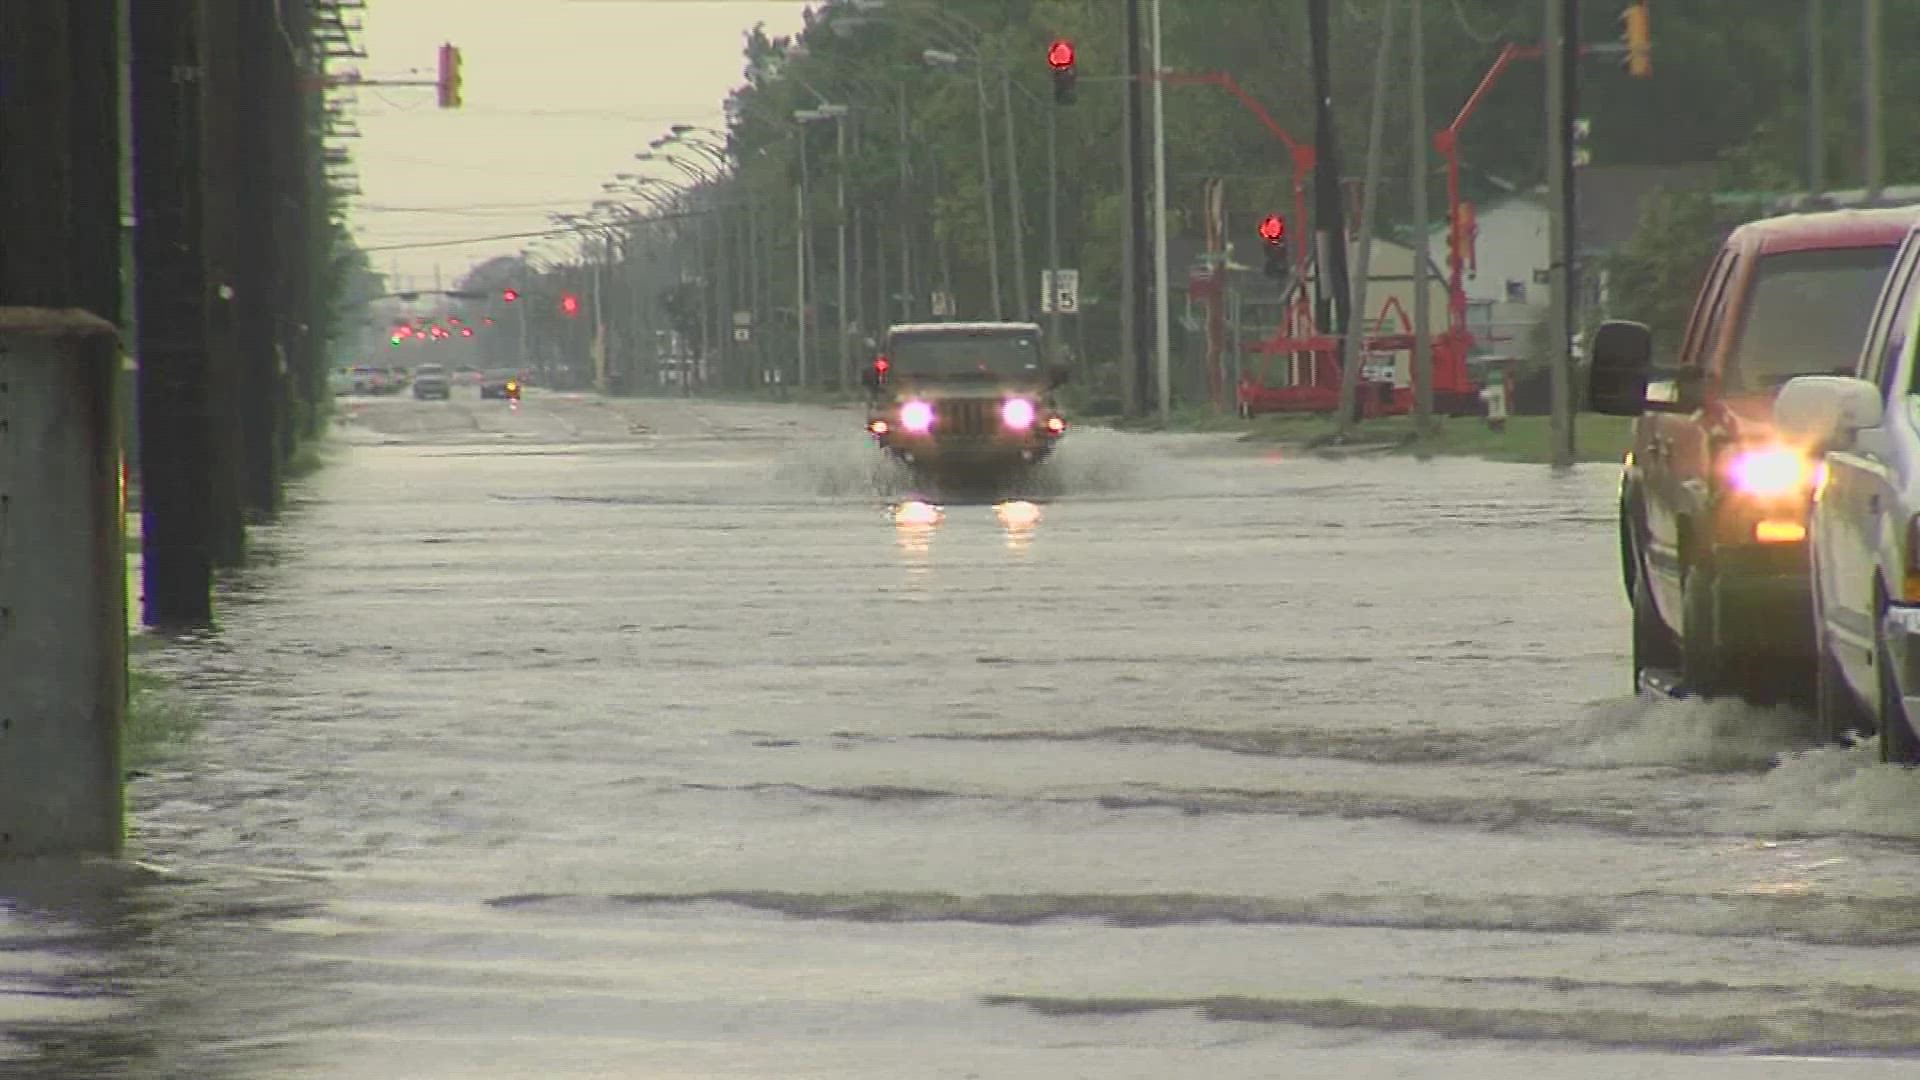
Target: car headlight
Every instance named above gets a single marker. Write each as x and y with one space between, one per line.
1770 471
916 416
1017 413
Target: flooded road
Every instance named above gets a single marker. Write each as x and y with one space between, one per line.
658 739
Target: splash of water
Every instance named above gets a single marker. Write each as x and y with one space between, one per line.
1714 734
1090 462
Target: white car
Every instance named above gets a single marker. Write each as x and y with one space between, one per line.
1864 535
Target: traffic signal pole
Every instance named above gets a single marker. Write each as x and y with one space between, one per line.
1162 333
1355 329
1422 373
1559 161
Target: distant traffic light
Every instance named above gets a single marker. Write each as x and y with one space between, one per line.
448 84
466 331
1638 35
509 294
1061 59
570 304
1273 233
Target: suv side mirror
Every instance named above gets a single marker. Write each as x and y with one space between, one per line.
1823 408
1622 354
1059 375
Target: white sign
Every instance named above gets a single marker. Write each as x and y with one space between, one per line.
1060 291
741 333
1378 367
943 304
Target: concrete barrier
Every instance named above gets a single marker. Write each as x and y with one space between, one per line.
63 590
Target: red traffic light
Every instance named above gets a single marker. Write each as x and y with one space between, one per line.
1060 55
1273 228
881 364
509 295
466 331
570 304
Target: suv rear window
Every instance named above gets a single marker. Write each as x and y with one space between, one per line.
976 352
1807 315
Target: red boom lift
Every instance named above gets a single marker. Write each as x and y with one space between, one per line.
1299 369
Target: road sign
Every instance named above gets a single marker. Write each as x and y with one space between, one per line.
741 333
1060 291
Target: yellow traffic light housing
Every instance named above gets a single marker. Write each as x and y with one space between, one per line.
449 81
1635 31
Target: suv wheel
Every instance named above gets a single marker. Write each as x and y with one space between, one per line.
1703 662
1898 746
1837 713
1653 643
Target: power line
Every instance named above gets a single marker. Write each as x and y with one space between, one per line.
565 230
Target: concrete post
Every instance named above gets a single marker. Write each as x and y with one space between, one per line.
63 586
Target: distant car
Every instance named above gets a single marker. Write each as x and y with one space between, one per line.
466 376
430 381
500 384
369 380
340 381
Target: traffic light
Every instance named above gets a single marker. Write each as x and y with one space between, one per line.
1634 30
448 83
1273 233
570 304
1060 59
509 294
1582 153
466 331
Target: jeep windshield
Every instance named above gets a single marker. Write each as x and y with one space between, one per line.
1807 315
966 354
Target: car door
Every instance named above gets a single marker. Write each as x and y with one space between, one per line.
1859 494
1673 444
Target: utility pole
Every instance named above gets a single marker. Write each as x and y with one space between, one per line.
1053 227
1130 181
1017 221
176 545
222 147
1871 89
1422 301
258 295
908 294
1138 323
1816 104
1559 166
1353 347
986 186
1330 225
1162 346
845 378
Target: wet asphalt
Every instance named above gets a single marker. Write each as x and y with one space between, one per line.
658 738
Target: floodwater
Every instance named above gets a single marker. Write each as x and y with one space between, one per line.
664 739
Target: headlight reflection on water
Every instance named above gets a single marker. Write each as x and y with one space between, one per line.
914 523
1020 519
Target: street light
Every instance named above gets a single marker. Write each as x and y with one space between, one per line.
837 113
946 58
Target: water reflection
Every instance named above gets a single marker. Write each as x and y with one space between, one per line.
1019 518
914 523
113 968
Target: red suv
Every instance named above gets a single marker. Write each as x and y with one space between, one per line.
1713 504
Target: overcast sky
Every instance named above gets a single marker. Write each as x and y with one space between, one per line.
559 96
